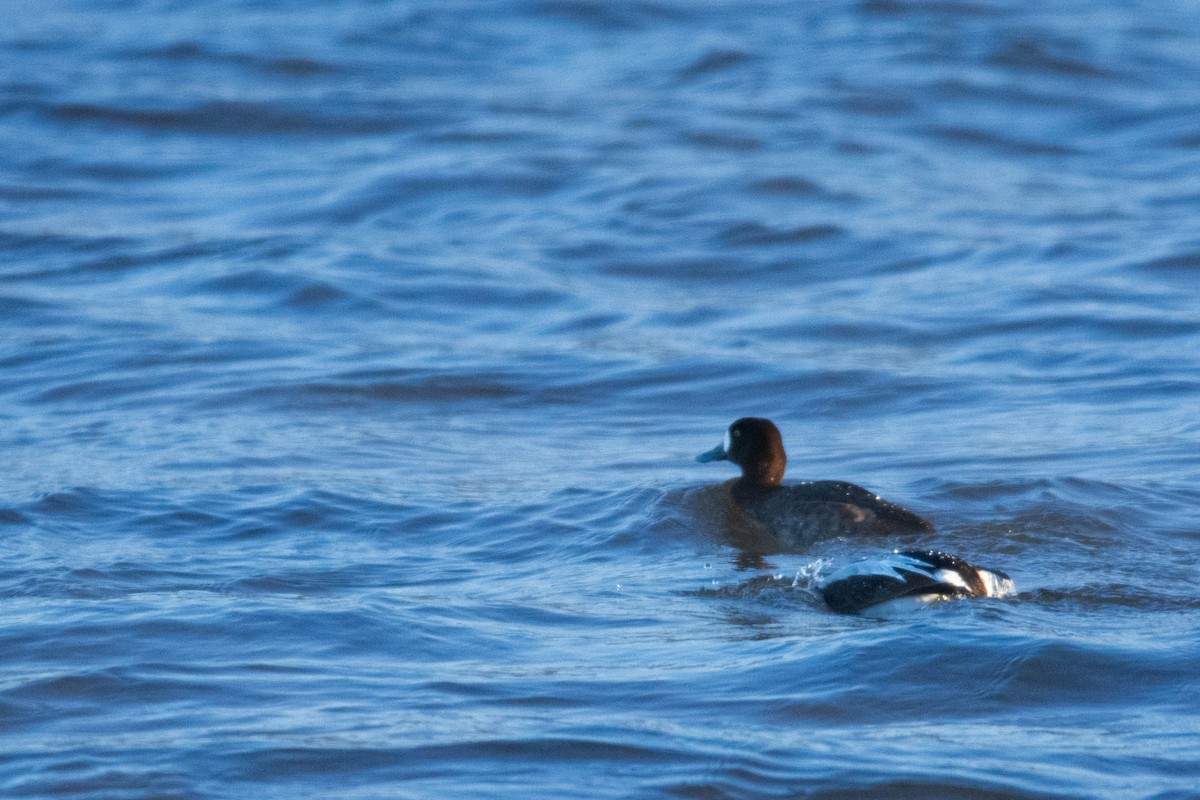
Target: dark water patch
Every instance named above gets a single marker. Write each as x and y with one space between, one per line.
312 511
26 193
585 324
848 332
184 520
1004 144
107 258
787 185
118 172
1186 141
122 579
939 8
527 616
257 280
95 391
670 382
1081 491
237 119
674 269
107 686
1042 52
714 62
488 137
1112 327
394 193
177 51
753 234
1085 529
866 101
34 44
845 393
1059 673
418 761
614 17
523 107
20 241
1038 97
285 506
504 297
1181 264
193 52
227 351
80 500
935 788
300 67
722 140
309 583
104 582
420 389
121 256
1098 598
13 307
10 516
94 778
316 296
761 253
267 291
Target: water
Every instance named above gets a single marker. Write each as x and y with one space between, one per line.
353 358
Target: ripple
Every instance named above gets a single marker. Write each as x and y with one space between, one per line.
609 17
354 365
998 142
230 118
751 234
788 185
1041 54
1184 264
715 61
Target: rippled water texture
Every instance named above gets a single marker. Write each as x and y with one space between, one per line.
354 356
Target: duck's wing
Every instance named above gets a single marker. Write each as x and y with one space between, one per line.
879 579
890 517
926 574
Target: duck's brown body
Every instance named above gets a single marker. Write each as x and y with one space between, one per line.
802 512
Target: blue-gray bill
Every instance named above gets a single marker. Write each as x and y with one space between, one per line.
716 454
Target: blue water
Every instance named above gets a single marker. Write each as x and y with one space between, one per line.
354 356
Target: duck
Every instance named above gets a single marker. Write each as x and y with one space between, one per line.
904 579
798 514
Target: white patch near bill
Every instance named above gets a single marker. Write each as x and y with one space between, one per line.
728 443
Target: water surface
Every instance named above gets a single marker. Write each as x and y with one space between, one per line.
353 358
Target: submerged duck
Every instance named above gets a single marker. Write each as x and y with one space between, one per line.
804 512
913 577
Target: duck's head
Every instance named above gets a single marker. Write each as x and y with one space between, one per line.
754 444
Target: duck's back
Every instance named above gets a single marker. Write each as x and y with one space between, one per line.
805 512
918 576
